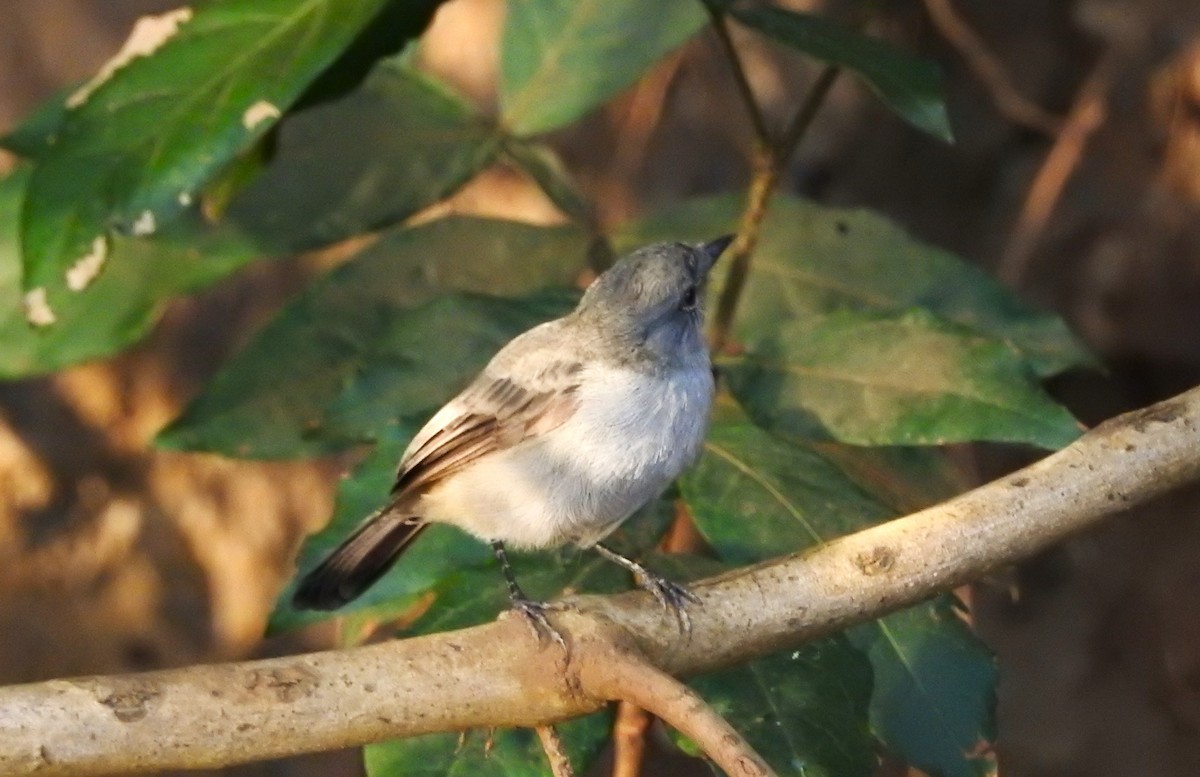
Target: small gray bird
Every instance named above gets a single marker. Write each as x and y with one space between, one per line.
570 428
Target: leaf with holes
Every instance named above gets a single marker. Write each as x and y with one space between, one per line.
124 302
191 90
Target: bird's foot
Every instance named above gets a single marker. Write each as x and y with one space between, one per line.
534 615
673 597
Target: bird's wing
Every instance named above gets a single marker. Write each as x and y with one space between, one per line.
529 388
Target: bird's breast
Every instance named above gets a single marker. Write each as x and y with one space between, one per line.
632 426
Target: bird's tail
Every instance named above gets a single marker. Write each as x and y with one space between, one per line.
359 561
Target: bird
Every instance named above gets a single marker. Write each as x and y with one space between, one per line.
571 427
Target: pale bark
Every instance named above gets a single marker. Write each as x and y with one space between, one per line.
497 675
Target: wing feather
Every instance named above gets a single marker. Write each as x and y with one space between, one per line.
526 391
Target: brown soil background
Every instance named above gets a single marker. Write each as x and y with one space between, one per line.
116 557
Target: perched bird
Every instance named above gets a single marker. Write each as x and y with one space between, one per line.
572 426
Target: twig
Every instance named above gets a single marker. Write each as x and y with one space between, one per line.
560 763
989 70
769 161
497 675
629 739
1086 116
805 115
757 120
628 676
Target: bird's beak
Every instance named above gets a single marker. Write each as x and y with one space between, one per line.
713 249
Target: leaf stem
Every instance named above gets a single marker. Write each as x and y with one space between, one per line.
769 161
721 27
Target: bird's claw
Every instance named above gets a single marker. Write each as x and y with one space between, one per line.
672 596
534 615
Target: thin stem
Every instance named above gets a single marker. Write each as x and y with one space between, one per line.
556 754
770 160
803 119
629 739
721 27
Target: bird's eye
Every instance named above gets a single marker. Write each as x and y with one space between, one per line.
689 299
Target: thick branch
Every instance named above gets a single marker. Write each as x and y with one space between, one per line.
496 675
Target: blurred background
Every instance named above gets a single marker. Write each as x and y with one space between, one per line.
1075 179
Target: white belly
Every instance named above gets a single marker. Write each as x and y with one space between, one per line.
628 439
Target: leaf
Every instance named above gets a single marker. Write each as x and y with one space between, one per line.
887 379
399 143
911 87
37 132
541 163
137 144
122 304
399 22
271 401
513 752
934 689
804 711
813 260
560 59
755 497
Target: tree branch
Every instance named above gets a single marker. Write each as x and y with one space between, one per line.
497 675
628 676
556 754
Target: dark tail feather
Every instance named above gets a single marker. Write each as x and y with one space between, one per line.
358 562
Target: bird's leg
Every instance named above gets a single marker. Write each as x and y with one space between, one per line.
532 611
671 596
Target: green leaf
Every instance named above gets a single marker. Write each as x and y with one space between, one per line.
754 497
560 59
512 752
272 400
934 689
804 711
911 87
37 132
397 144
813 260
888 379
121 305
541 163
135 147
